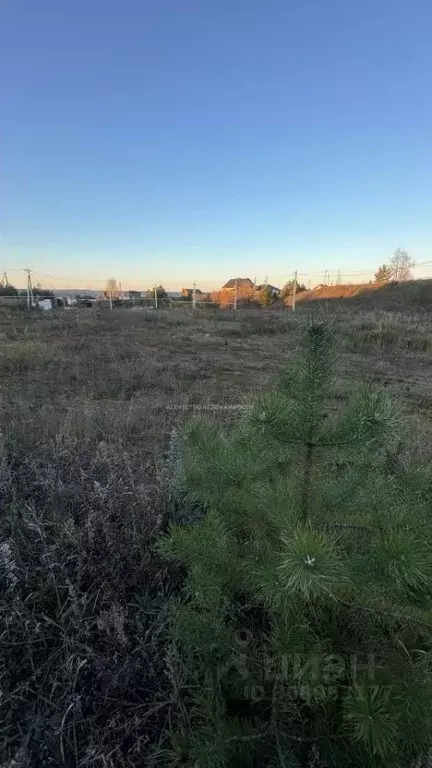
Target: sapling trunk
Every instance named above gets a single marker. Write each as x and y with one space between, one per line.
306 482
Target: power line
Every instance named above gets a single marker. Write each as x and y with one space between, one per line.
69 279
82 284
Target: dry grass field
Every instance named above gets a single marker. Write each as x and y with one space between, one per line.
88 401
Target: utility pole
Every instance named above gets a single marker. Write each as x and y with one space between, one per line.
294 291
30 296
338 277
235 294
194 296
325 277
110 295
155 296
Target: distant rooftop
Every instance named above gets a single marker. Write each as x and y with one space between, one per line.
242 282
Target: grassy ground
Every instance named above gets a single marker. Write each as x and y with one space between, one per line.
88 401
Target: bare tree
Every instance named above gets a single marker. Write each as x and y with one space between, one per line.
401 265
112 288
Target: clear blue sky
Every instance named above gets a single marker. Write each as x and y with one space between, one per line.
172 140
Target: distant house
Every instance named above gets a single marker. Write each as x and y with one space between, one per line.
237 290
244 285
187 293
266 286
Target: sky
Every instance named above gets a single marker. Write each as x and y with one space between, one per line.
172 141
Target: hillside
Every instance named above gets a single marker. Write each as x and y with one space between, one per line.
415 293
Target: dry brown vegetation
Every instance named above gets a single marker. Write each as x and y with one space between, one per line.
415 293
88 401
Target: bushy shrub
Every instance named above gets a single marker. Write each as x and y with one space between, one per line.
302 637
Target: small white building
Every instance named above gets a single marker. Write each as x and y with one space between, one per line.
45 304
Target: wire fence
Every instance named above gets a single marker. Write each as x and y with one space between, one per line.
43 287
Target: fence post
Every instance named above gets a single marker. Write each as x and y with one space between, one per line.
28 288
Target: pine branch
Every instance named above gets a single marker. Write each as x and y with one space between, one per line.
413 615
349 526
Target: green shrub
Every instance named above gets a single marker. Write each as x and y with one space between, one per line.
303 633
